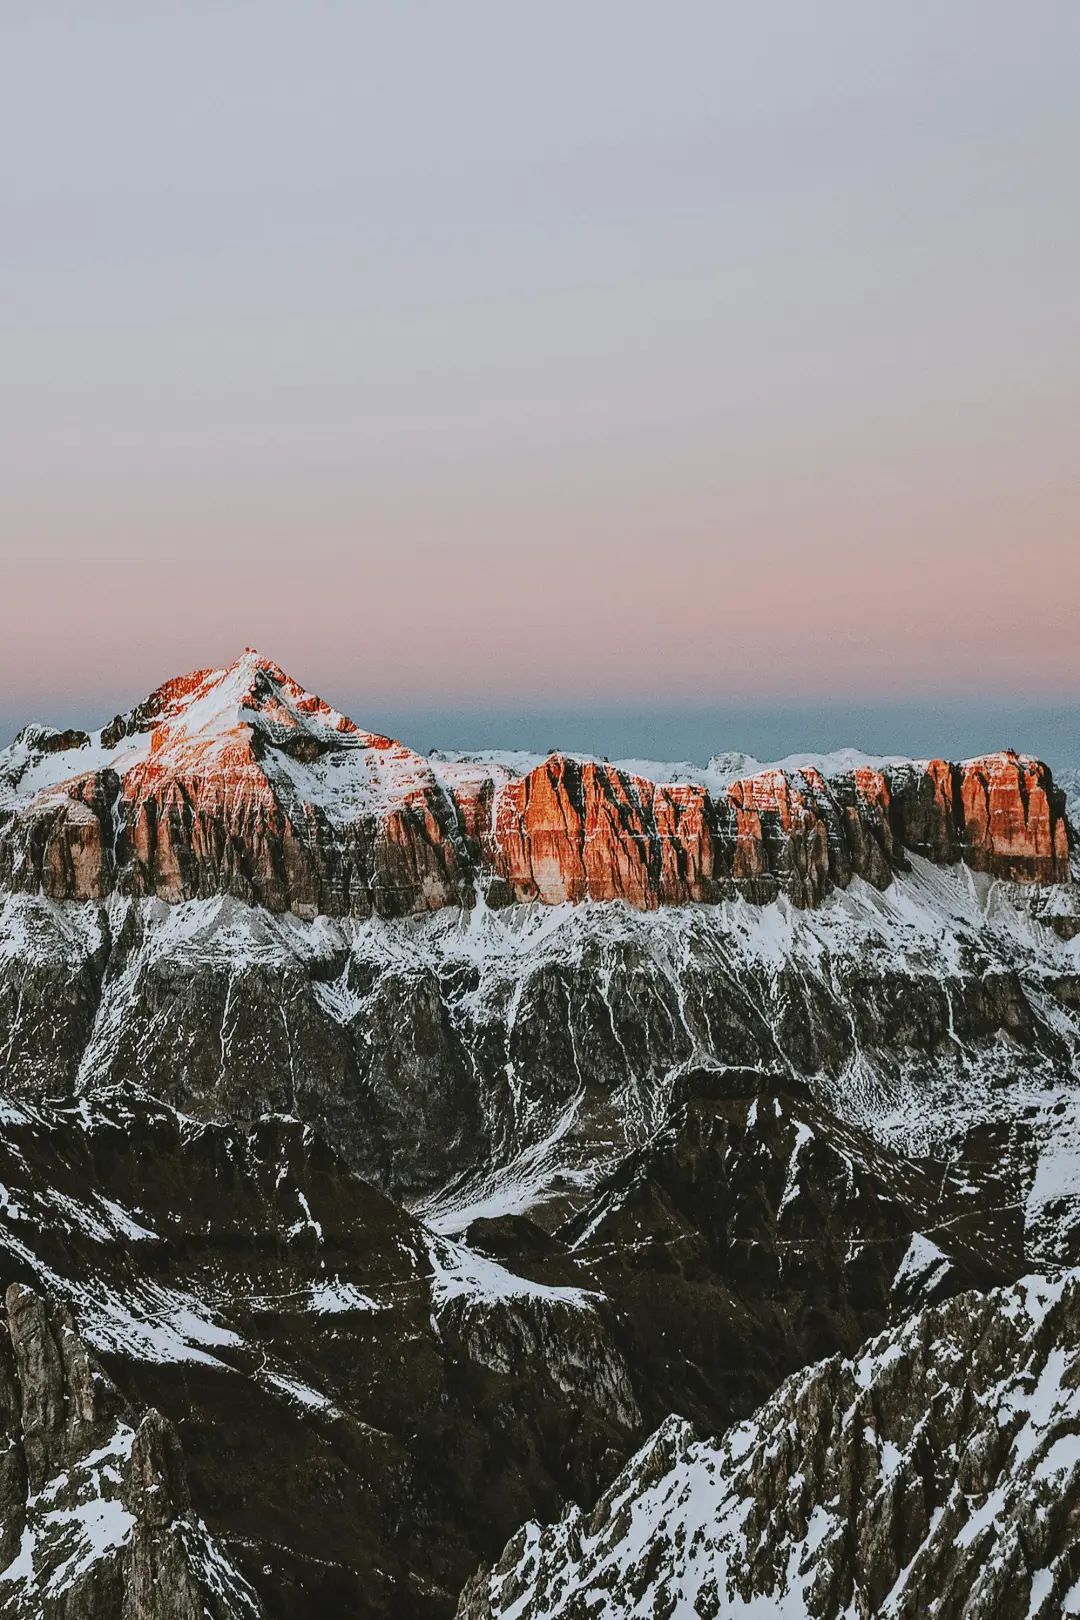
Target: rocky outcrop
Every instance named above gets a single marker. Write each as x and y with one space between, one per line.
572 831
96 1519
938 1472
768 1234
237 781
365 1409
1001 814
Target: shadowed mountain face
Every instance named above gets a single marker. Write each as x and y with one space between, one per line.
407 1138
95 1513
361 1403
757 1233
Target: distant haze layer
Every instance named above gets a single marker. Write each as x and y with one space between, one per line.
921 729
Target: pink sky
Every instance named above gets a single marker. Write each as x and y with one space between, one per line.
655 354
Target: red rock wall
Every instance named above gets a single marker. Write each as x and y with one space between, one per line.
568 831
1011 826
1000 814
572 832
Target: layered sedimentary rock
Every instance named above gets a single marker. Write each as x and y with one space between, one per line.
574 830
238 781
232 781
445 1055
570 830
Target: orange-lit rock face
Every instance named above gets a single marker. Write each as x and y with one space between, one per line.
1000 814
1009 823
200 812
571 831
687 845
778 830
238 781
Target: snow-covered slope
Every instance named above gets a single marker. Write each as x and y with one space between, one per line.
487 1061
936 1473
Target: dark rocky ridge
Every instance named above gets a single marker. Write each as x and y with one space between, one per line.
96 1521
367 1411
938 1473
360 1415
756 1234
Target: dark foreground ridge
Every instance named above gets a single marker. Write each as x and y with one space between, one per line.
937 1473
368 1409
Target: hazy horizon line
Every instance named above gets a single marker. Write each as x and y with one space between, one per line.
956 726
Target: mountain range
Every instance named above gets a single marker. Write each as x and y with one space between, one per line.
525 1186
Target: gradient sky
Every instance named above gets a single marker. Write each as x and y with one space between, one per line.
483 361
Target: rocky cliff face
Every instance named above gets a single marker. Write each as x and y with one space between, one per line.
237 781
570 831
938 1472
95 1514
1001 814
